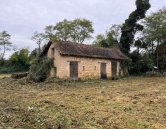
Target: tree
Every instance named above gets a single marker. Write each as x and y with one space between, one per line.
141 63
5 42
161 49
34 54
40 69
38 38
81 29
106 41
131 26
77 30
100 41
115 30
63 30
154 32
110 39
20 60
140 44
49 33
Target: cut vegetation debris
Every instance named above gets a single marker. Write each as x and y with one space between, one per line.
130 103
19 75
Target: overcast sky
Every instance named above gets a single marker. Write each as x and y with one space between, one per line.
21 18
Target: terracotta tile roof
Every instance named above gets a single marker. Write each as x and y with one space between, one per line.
82 50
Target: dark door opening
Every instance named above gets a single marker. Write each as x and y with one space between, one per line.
114 68
103 71
74 70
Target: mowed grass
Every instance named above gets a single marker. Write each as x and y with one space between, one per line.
129 103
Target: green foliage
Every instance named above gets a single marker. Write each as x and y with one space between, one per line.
63 30
40 69
81 29
152 41
153 74
115 30
20 59
140 63
154 37
110 39
6 69
5 42
77 30
155 26
18 62
131 26
162 57
38 38
33 55
106 42
49 33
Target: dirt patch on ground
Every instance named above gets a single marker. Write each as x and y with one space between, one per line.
130 103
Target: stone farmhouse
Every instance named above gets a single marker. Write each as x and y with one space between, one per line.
79 61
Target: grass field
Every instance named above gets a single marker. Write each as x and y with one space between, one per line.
130 103
4 75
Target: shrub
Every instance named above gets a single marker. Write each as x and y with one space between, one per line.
18 62
115 78
40 69
164 74
140 63
11 69
153 74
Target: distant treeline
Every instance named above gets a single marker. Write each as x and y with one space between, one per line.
19 61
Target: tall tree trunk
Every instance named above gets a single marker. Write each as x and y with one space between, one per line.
39 49
157 59
4 50
138 49
152 47
157 55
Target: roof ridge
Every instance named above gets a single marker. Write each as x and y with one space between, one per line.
85 50
89 45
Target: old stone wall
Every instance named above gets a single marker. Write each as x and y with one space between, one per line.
87 67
